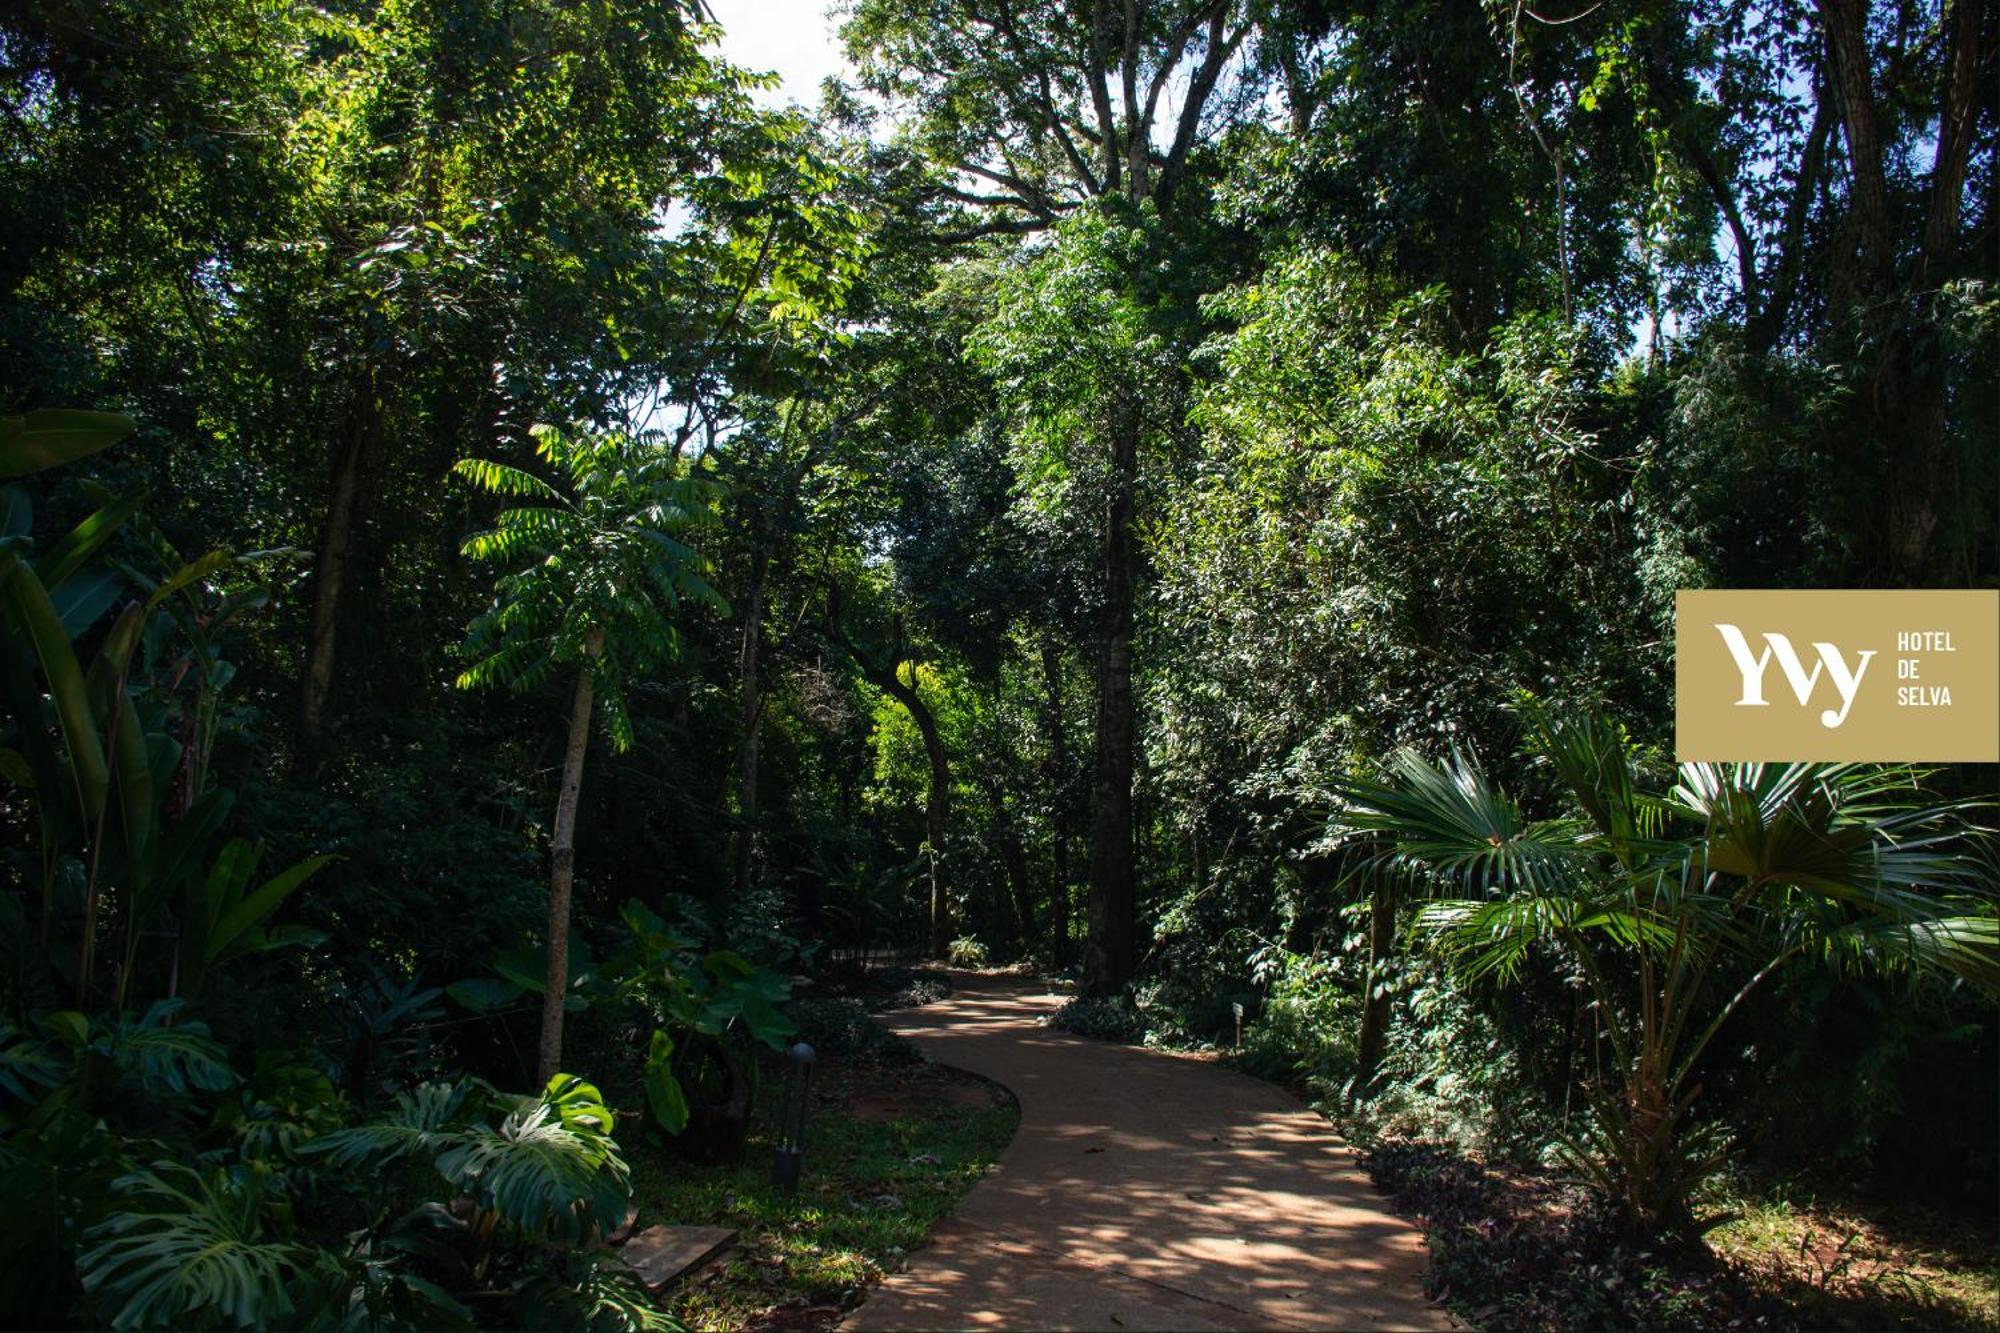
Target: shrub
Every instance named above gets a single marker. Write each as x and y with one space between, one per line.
965 951
842 1027
1108 1018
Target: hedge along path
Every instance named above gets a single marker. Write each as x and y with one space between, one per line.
1145 1190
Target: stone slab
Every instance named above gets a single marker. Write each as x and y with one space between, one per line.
662 1255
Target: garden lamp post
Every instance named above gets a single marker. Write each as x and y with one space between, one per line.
791 1151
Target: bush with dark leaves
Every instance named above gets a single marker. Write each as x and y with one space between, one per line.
1108 1018
1548 1256
880 988
841 1027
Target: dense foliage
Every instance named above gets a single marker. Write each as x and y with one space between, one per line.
1106 489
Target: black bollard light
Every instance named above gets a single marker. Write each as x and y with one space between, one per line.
791 1151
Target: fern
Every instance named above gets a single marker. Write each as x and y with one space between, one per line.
499 479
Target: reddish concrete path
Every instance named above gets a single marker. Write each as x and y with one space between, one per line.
1145 1191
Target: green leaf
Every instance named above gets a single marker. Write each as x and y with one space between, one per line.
484 994
135 792
54 436
27 602
69 1027
428 1120
188 1251
224 938
663 1090
192 572
551 1170
499 479
17 513
80 601
86 539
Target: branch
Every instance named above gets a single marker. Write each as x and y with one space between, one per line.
1100 96
1846 23
1220 50
1769 324
1956 119
1679 117
1177 47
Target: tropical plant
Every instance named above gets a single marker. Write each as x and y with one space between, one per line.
549 1171
114 765
190 1248
594 580
1673 909
710 1007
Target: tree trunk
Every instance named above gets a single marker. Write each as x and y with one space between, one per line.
1853 91
562 871
937 811
336 549
1059 793
1919 493
1111 956
752 720
1014 860
1374 996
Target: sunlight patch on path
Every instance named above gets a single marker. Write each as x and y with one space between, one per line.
1145 1190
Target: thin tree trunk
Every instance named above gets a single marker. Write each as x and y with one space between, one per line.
1374 997
562 870
1110 957
336 549
1013 856
937 809
1059 792
752 719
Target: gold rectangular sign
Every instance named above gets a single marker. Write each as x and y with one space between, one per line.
1837 675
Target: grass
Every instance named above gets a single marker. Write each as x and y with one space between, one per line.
1842 1267
890 1149
1529 1249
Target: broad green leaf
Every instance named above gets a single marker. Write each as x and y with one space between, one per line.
663 1090
17 513
81 600
54 436
86 539
483 994
28 606
254 907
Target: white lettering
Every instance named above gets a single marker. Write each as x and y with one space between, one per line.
1847 683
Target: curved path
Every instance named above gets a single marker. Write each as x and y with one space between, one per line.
1145 1190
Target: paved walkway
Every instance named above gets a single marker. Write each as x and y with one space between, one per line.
1145 1191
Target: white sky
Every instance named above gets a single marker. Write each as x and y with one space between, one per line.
795 38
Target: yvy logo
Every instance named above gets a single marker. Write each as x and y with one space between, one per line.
1837 675
1846 680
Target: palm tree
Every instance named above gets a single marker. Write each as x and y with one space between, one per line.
1674 908
594 578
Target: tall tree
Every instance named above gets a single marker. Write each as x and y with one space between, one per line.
1035 113
596 572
